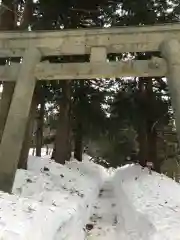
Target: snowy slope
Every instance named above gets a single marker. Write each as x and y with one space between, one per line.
149 205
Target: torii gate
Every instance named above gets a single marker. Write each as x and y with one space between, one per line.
96 42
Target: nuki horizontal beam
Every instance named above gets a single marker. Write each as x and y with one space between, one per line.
80 41
89 70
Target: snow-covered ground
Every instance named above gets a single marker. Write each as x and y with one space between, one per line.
51 201
148 205
85 201
103 221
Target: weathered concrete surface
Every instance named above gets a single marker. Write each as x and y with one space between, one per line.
171 52
98 54
57 71
15 127
8 89
69 42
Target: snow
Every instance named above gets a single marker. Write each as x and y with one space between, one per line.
23 218
83 200
52 198
103 219
148 205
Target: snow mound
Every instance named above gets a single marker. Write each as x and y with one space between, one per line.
149 205
25 219
50 201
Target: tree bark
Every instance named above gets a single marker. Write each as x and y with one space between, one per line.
152 146
78 134
142 141
141 129
33 153
28 135
78 142
47 149
69 142
61 149
40 124
27 14
53 153
151 129
8 16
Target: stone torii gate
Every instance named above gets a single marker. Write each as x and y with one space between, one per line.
96 42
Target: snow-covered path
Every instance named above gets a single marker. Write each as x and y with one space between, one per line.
102 223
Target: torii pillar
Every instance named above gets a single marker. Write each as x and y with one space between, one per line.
14 131
170 50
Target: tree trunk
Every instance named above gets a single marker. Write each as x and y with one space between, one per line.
78 135
141 130
27 14
78 142
61 149
33 152
151 129
152 146
47 149
28 135
40 125
53 153
69 142
8 16
142 140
